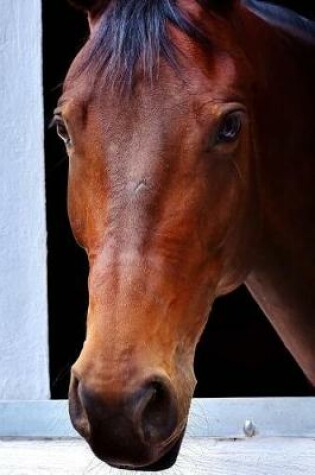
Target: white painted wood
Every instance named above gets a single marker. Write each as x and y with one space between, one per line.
23 294
35 419
221 418
198 457
282 417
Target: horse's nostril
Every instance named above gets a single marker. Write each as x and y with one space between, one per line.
77 411
159 413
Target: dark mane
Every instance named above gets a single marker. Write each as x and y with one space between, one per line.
133 32
285 18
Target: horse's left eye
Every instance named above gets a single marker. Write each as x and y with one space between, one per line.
229 128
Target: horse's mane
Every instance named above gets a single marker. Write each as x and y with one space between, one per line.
285 18
136 32
133 32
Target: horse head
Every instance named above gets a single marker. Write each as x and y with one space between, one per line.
156 118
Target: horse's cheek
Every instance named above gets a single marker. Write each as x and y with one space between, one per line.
76 216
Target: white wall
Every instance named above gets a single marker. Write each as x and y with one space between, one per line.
23 293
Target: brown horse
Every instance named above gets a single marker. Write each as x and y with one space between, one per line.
189 126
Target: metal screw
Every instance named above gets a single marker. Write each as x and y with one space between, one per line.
249 428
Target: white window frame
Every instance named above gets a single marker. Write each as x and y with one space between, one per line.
24 369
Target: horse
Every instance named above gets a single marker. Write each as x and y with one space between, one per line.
189 126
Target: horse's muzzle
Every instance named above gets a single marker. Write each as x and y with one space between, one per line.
136 430
164 463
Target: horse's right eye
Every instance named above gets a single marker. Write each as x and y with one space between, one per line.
62 131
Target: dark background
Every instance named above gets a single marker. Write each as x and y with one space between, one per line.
239 354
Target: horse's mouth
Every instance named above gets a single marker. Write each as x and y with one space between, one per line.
164 463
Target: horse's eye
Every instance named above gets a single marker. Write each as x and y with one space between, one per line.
62 131
229 128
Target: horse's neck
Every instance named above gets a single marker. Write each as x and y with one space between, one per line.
283 279
289 310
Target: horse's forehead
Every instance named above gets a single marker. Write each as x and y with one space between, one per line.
173 94
214 73
150 113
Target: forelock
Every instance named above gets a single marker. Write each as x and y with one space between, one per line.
132 33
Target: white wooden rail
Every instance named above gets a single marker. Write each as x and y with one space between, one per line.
224 437
213 418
